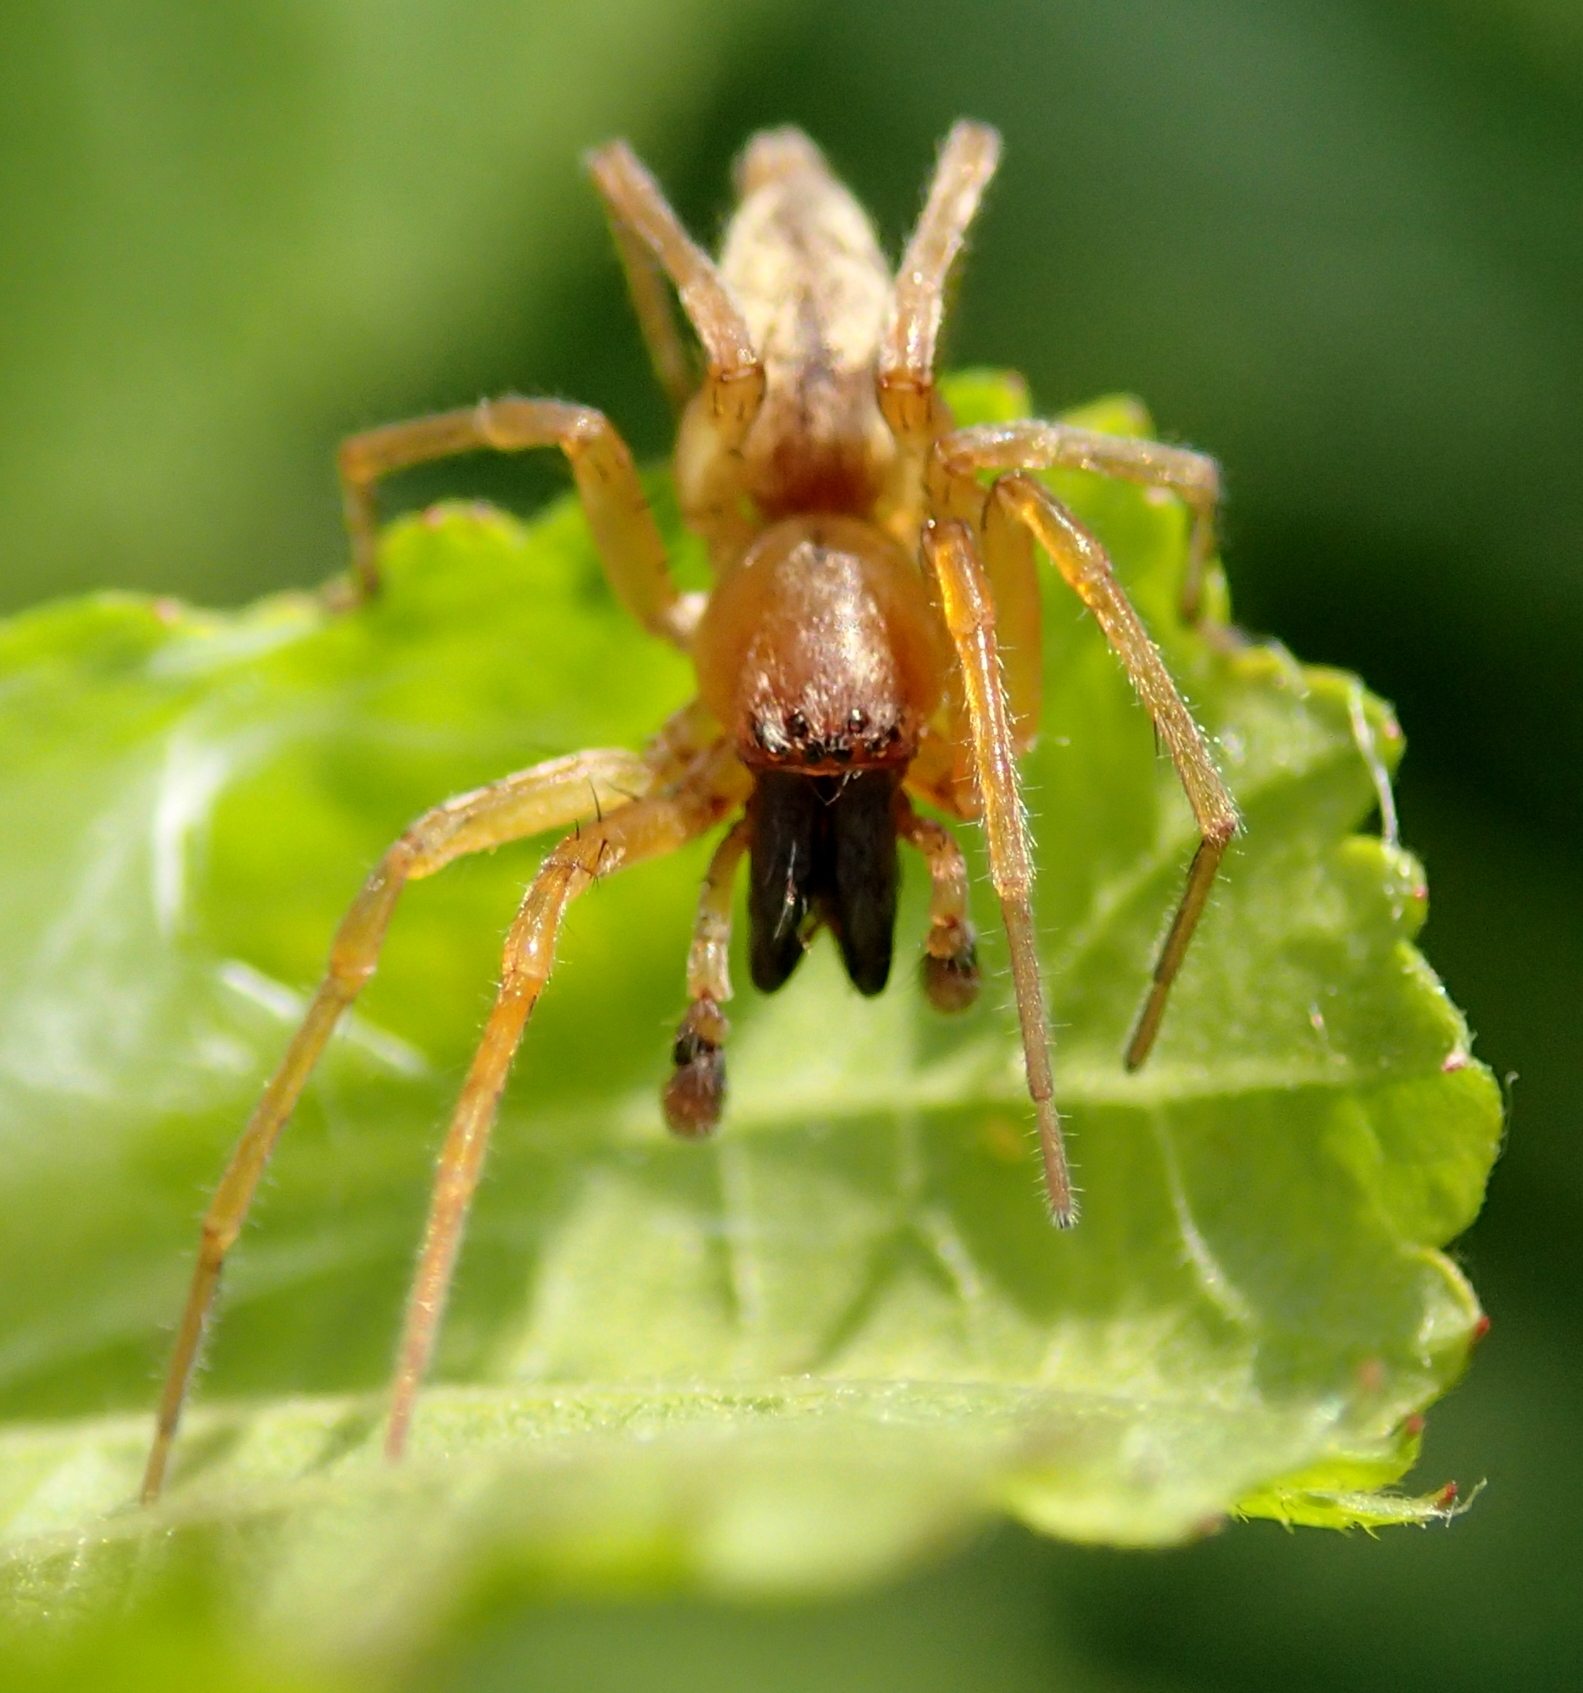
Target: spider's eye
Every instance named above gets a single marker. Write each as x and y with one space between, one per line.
796 725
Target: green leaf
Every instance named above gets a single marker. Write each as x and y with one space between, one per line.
785 1360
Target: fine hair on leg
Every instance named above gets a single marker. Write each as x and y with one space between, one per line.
623 527
548 796
636 204
906 373
1035 445
970 617
1082 561
647 828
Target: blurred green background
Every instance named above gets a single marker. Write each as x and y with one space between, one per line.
1338 244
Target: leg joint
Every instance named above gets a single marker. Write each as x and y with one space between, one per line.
1220 830
218 1237
353 460
954 490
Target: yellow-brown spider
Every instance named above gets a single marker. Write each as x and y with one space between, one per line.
872 638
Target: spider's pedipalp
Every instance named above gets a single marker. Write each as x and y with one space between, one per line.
694 1096
950 967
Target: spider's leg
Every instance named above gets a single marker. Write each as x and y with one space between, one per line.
695 1092
907 354
679 742
647 226
546 797
719 414
951 975
942 773
650 294
1033 445
647 828
951 554
1082 561
618 513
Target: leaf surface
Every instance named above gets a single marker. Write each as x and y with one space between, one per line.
790 1358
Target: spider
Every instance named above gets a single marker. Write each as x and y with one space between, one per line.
871 640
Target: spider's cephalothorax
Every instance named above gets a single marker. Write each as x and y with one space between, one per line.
871 638
823 656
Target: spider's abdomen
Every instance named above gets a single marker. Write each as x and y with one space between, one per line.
803 265
823 853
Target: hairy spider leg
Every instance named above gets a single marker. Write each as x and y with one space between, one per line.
637 204
721 412
695 1094
684 736
618 514
949 551
907 396
943 772
1036 445
909 402
1082 561
649 290
1008 554
647 828
648 285
549 796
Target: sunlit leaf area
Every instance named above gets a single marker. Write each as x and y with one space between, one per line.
824 1401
